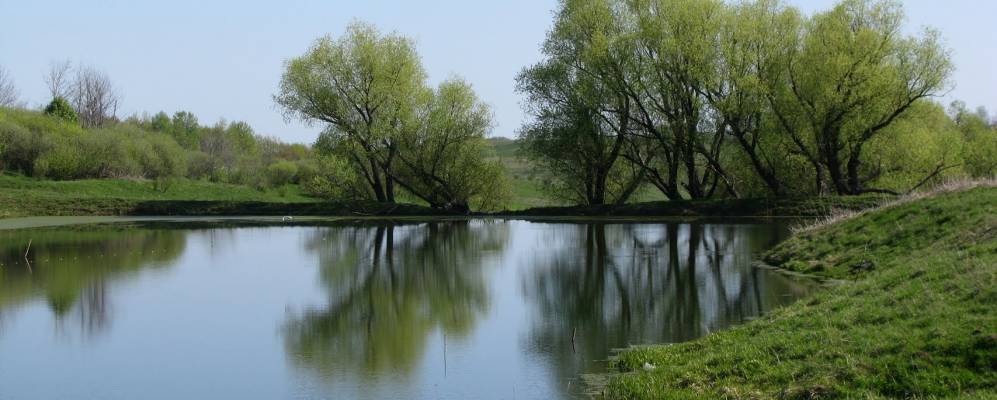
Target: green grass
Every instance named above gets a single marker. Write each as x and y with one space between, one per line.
22 196
916 318
179 189
527 179
761 207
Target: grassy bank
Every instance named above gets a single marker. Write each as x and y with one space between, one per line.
803 207
917 320
21 197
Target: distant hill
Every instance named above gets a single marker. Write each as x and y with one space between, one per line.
527 179
504 147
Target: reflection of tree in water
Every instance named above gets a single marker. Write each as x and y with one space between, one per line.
632 284
389 287
71 267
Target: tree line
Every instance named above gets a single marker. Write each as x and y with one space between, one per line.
694 99
78 135
708 98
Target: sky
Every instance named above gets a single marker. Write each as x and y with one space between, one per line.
223 59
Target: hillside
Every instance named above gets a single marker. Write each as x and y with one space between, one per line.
915 316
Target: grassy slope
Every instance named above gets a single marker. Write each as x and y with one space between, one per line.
20 196
918 320
724 207
526 178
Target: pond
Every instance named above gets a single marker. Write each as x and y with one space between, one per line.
455 309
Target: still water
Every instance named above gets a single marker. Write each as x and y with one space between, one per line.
476 309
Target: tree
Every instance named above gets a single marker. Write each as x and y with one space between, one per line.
750 43
387 123
441 159
980 136
850 75
676 46
8 92
94 97
61 109
571 139
581 124
366 86
184 128
160 122
58 78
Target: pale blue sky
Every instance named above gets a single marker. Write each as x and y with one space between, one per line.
223 59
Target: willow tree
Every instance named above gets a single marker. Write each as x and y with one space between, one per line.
388 125
441 156
365 86
581 124
675 42
750 46
849 75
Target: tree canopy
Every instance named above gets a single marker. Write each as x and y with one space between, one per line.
387 125
705 98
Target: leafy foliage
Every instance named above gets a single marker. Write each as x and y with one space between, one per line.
916 322
60 108
386 126
706 98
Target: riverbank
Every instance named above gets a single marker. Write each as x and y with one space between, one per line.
25 197
917 317
761 207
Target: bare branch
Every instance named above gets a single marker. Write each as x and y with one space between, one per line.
8 93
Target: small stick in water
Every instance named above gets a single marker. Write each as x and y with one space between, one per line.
26 260
573 330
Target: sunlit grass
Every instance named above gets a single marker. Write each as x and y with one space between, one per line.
917 319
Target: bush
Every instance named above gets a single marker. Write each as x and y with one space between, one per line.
19 148
336 179
200 165
61 109
39 145
282 173
159 156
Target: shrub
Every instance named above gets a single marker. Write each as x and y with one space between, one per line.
20 148
61 109
200 165
160 157
282 173
336 179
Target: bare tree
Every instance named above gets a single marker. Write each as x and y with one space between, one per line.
58 77
8 93
93 97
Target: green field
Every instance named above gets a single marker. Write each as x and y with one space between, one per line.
527 180
22 196
915 317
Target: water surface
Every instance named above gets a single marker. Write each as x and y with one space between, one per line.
478 309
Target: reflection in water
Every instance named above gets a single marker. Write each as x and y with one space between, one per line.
389 287
610 286
71 268
445 309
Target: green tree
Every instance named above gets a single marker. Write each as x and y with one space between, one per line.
980 136
366 86
60 108
851 73
184 128
570 138
441 160
388 124
581 123
160 122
